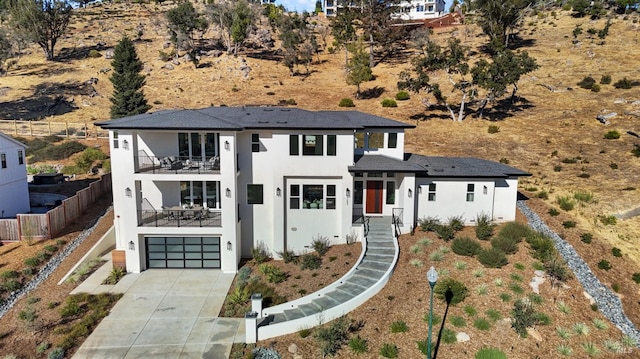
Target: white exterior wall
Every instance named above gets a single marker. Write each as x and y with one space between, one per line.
451 199
430 9
397 152
506 195
14 189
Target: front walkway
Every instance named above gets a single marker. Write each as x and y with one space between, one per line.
164 313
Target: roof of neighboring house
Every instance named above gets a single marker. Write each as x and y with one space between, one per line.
251 117
463 167
381 163
12 140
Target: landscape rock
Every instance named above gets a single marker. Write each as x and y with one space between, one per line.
108 54
636 103
589 298
168 67
535 284
166 44
293 348
619 101
214 53
539 273
534 334
462 337
175 62
186 58
604 118
4 90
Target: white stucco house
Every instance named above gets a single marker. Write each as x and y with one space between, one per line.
201 188
14 189
408 10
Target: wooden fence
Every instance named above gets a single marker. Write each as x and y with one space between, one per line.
48 225
86 130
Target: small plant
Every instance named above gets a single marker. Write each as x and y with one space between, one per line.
498 282
605 79
387 102
515 288
580 329
424 241
586 238
505 244
583 196
615 287
93 53
505 297
310 261
587 83
553 212
543 319
563 307
288 256
481 324
32 262
519 266
470 310
399 327
565 203
600 324
436 256
492 258
321 245
260 253
493 314
490 353
516 277
465 246
522 317
595 88
493 129
478 273
628 341
613 346
445 232
569 224
358 345
616 252
416 262
590 348
564 349
482 289
9 274
346 102
459 290
594 307
624 84
272 273
56 353
389 350
332 337
612 135
604 264
636 277
415 249
304 332
543 195
536 298
484 227
460 265
563 332
613 166
42 347
449 336
402 96
28 314
115 275
457 321
608 220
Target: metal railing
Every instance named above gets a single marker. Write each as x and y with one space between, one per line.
177 164
396 216
189 217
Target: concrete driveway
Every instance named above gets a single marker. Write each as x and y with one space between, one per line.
164 313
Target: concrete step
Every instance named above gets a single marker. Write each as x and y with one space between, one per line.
351 288
310 309
325 302
377 245
293 313
339 296
377 266
380 252
379 258
361 280
278 318
369 273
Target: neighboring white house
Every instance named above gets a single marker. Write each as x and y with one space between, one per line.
408 10
201 188
14 190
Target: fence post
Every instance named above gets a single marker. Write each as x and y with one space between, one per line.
49 123
251 327
66 126
15 126
86 130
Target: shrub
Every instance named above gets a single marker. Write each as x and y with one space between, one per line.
557 269
565 203
543 195
514 230
553 212
492 258
310 261
93 53
493 314
458 290
32 262
58 152
449 336
9 274
484 227
522 316
288 256
623 84
42 347
587 82
605 79
608 220
493 129
586 237
569 224
636 277
56 353
616 252
456 223
115 275
604 264
481 324
321 245
542 246
358 345
332 337
595 88
265 353
402 96
389 350
429 224
399 327
505 244
612 135
346 102
260 253
50 248
70 309
272 273
583 196
387 102
445 232
490 353
543 319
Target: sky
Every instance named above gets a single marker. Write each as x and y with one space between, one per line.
310 5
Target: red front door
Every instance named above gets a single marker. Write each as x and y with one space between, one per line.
374 196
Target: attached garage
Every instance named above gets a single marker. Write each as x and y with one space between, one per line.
183 252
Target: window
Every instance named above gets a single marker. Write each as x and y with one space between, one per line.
391 174
470 189
359 140
294 197
432 192
255 142
393 140
3 160
331 196
312 196
115 139
331 145
254 194
391 192
420 8
376 140
294 145
430 8
374 174
312 145
20 158
357 192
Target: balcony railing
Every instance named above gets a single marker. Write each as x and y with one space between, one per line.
177 164
174 217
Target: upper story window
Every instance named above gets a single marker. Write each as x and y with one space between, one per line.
20 158
359 140
255 194
420 8
3 160
470 192
312 145
294 145
116 144
430 8
393 140
432 192
376 140
391 192
331 145
255 142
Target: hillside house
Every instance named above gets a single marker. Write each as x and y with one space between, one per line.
14 190
408 10
201 188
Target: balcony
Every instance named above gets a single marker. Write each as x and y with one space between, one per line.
177 164
181 217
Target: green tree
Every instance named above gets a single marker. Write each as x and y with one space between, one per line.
318 8
242 20
297 41
234 19
358 70
379 26
344 31
41 21
6 50
498 18
128 98
185 24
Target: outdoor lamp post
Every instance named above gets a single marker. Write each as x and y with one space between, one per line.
432 277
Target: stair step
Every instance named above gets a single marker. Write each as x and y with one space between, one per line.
362 280
340 296
369 273
380 252
293 313
379 258
325 302
380 245
278 318
352 289
382 267
310 309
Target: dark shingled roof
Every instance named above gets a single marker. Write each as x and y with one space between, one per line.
245 118
381 163
463 167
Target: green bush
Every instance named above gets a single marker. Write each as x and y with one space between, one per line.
260 253
605 79
595 88
493 129
481 324
616 252
608 220
288 256
586 237
542 246
612 135
457 321
565 203
70 309
389 350
465 246
10 285
557 269
429 224
321 245
399 327
93 53
636 277
553 212
9 274
332 337
310 261
358 345
402 96
346 102
56 353
445 232
587 82
57 152
484 227
387 102
623 84
583 196
569 224
522 316
490 353
505 244
272 273
604 265
515 230
449 336
32 262
456 223
458 289
492 258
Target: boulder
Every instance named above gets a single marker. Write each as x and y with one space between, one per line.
462 337
168 67
589 297
293 348
108 54
534 334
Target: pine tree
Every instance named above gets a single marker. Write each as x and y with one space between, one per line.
127 98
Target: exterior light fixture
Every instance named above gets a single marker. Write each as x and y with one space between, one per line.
432 277
132 246
419 189
484 190
348 192
229 246
228 192
278 191
227 145
410 193
127 192
125 144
